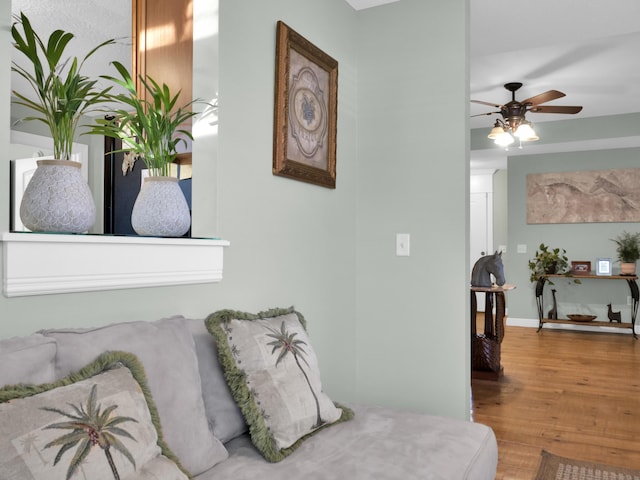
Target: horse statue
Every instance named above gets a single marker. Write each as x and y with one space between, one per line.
485 267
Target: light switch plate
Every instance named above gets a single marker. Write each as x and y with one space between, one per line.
403 244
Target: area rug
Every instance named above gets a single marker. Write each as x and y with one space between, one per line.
553 467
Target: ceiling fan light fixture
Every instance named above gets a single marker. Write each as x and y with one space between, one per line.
513 122
526 133
496 131
504 140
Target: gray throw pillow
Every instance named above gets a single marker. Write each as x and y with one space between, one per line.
223 413
166 349
27 360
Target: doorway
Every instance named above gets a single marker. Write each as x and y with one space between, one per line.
480 220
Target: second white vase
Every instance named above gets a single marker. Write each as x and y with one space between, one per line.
161 210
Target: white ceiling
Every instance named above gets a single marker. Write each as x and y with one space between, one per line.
91 21
588 49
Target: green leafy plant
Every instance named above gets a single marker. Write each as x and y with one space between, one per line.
287 343
90 426
549 261
62 94
149 125
628 247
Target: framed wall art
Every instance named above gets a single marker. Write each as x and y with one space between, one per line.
588 196
305 110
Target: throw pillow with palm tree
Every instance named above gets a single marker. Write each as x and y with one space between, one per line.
286 343
99 422
90 426
272 372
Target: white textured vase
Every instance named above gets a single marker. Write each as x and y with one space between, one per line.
160 209
58 199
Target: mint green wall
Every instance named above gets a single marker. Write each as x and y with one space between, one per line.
291 242
583 241
387 330
500 210
571 130
413 177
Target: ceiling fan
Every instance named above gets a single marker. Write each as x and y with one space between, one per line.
513 114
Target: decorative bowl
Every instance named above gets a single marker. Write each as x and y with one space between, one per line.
576 317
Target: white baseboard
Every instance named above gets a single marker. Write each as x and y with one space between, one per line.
534 323
522 322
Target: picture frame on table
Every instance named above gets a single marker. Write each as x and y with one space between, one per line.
305 110
581 267
604 267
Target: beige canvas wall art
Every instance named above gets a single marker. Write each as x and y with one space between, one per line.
584 197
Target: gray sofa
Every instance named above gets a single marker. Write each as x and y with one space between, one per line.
203 427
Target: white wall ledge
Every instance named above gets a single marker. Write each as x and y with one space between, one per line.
41 264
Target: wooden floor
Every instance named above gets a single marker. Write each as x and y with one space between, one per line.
574 394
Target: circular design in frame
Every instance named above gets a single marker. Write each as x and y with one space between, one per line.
307 112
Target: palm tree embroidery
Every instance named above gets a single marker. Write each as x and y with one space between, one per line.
287 343
90 427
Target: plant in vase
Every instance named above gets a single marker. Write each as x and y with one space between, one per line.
549 261
151 127
628 250
57 198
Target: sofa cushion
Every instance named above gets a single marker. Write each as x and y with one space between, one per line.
27 360
379 443
166 349
223 413
45 430
273 374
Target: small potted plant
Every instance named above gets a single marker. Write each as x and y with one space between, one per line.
628 250
57 198
549 261
151 126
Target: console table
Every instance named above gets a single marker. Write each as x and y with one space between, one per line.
485 347
635 296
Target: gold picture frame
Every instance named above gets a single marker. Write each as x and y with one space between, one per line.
305 110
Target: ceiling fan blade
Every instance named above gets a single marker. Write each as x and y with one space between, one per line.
555 109
543 97
484 114
487 103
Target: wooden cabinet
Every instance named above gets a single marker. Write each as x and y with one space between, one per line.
163 47
635 298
